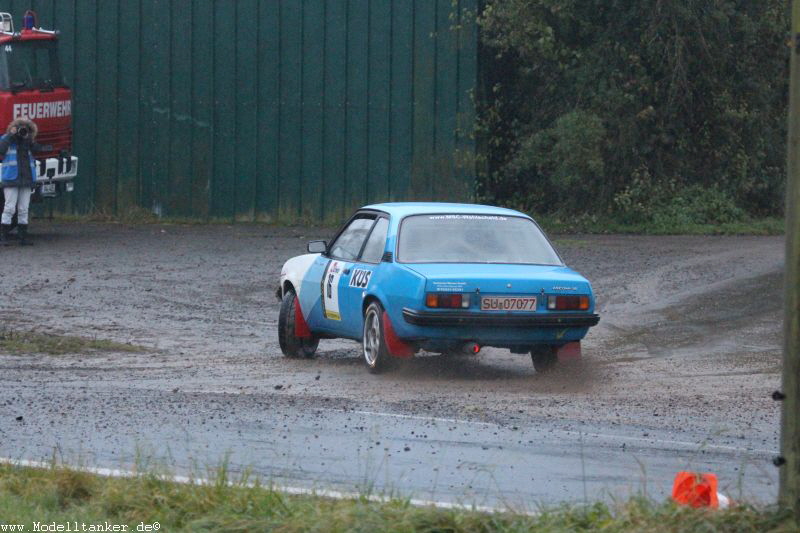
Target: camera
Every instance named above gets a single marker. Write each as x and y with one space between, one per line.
22 132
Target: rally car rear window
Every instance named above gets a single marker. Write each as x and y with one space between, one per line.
467 238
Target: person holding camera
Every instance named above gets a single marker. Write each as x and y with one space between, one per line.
18 177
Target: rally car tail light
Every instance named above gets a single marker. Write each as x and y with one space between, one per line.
568 303
447 300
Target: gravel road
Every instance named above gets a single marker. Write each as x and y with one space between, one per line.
678 373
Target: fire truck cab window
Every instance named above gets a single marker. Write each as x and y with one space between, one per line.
26 65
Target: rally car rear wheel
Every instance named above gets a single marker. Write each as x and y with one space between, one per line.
376 353
291 345
544 358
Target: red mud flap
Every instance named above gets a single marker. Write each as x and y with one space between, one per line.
301 329
396 347
569 352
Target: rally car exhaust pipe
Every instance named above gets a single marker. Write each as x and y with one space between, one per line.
471 348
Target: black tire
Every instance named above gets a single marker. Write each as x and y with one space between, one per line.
544 358
373 340
292 346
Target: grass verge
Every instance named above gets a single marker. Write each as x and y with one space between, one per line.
63 495
29 342
141 216
561 225
552 224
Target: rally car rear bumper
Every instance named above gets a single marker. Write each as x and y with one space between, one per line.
467 318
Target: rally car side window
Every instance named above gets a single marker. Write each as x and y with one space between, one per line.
347 246
373 250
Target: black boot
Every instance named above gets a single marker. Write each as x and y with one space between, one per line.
4 231
22 230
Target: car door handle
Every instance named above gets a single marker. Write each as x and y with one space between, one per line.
346 271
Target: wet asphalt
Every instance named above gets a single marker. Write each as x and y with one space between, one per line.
677 375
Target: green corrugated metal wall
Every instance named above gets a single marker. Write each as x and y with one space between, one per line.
266 109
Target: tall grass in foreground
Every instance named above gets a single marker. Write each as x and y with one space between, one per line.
63 495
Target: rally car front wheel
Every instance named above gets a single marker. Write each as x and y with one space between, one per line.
376 353
291 344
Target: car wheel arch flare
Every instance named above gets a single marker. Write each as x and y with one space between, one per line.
397 347
302 331
368 299
288 286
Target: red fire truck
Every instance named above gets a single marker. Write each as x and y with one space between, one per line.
32 86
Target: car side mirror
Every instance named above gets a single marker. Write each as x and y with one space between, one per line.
317 247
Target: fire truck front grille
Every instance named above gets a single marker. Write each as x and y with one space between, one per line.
59 139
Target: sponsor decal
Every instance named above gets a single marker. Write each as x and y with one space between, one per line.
466 217
32 110
360 278
449 286
330 289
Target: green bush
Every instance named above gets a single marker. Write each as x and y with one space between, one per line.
568 157
698 205
634 110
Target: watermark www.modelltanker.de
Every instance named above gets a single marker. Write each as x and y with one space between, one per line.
80 527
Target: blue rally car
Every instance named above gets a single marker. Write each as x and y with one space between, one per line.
400 277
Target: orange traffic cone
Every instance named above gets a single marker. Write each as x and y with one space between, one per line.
696 490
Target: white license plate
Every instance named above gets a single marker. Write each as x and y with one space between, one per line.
48 188
508 303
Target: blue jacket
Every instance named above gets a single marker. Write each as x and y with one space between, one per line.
10 172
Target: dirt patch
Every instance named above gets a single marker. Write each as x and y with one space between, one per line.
689 338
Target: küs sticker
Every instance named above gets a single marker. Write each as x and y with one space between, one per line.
360 278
